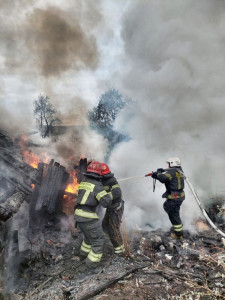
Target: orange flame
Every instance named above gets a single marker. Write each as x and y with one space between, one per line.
29 157
73 185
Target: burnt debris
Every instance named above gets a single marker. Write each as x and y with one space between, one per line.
39 246
31 211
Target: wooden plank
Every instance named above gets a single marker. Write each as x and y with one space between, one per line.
43 189
52 186
56 187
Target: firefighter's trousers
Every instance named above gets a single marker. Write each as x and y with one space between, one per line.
111 226
172 207
92 245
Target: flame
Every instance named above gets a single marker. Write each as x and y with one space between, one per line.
69 200
29 157
73 185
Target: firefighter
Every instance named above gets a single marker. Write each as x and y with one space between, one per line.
91 193
113 216
174 183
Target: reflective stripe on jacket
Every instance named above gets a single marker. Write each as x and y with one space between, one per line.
91 193
174 182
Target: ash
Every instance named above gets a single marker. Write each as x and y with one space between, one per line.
156 267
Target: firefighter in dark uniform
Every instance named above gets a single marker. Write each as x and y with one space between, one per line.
114 212
91 193
174 183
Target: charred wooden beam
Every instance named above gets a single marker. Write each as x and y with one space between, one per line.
9 164
52 186
5 141
20 185
18 173
81 169
11 205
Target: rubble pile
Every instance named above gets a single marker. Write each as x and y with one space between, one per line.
158 268
31 211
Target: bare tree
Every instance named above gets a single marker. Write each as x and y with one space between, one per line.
45 115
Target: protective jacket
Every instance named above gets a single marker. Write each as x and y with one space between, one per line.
91 193
111 186
174 182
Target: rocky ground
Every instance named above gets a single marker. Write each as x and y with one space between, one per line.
155 267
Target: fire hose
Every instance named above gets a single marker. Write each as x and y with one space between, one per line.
200 205
134 177
194 194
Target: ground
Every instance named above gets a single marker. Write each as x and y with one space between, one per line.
156 267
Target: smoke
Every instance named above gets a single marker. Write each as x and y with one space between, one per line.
46 41
82 141
58 42
46 49
176 67
74 112
12 118
167 56
67 147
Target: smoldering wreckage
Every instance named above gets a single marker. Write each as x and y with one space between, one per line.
40 245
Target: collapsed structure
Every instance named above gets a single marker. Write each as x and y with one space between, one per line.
31 204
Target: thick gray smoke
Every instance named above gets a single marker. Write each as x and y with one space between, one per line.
46 49
47 40
175 57
59 43
166 55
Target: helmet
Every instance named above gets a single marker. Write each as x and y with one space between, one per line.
105 169
94 167
174 162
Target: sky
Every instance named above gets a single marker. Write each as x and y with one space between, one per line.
167 56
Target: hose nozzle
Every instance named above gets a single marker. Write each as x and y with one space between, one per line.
149 174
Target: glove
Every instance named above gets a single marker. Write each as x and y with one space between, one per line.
160 170
154 175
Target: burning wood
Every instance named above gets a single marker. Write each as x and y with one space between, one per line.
17 172
28 156
73 183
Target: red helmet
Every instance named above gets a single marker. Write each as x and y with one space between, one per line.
105 169
94 167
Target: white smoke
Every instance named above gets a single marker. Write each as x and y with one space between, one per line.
67 148
175 54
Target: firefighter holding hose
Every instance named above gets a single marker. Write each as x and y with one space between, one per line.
114 212
174 183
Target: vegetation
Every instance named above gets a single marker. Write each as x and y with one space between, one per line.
103 116
45 114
